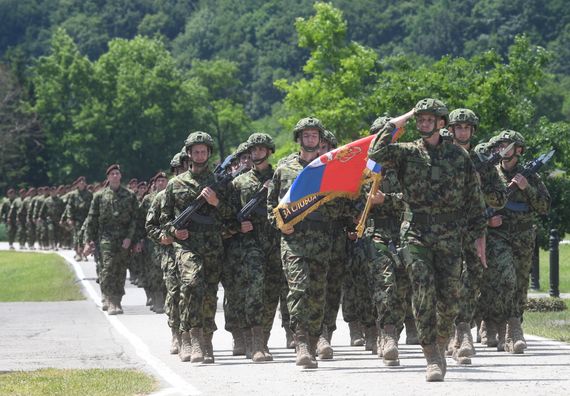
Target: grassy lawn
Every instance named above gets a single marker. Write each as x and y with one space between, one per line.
553 325
564 264
93 382
36 277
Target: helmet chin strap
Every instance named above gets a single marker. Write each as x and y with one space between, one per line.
259 161
427 135
199 165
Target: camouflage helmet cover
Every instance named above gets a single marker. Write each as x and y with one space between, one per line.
183 154
308 123
330 138
508 135
242 149
176 162
199 137
432 106
463 116
379 123
261 139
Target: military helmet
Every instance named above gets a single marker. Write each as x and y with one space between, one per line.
242 149
463 116
261 139
432 106
176 161
308 123
379 123
330 138
183 154
446 134
199 137
508 135
483 148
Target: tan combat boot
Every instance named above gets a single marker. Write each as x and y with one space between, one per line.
411 332
175 341
104 302
197 347
302 347
466 350
483 332
501 333
441 343
371 337
312 352
324 348
239 343
158 302
289 338
185 349
208 349
257 342
114 305
434 372
390 353
491 333
513 338
454 343
268 355
356 336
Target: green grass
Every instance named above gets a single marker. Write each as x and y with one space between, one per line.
94 382
564 263
36 277
552 325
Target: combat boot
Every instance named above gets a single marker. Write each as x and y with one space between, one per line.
257 354
197 347
390 353
302 348
434 372
454 343
208 349
247 338
462 354
324 349
370 342
185 350
289 338
158 302
513 338
239 343
312 352
268 355
356 336
175 341
491 333
501 333
114 305
482 333
104 303
411 332
441 343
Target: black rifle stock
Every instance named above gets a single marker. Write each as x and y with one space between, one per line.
259 197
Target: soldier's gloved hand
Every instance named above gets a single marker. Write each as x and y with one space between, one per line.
181 234
210 196
520 181
126 243
246 226
378 198
495 221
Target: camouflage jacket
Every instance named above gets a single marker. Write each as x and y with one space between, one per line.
40 202
388 216
439 185
14 208
5 209
143 208
493 187
23 211
112 216
523 206
77 208
152 221
52 209
181 191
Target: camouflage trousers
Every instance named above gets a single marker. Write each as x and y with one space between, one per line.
112 267
135 266
471 278
154 279
54 233
357 296
434 275
200 263
22 233
391 288
234 285
31 235
12 231
305 256
172 282
283 309
262 274
335 277
78 235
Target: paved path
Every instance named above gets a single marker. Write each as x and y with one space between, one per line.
140 338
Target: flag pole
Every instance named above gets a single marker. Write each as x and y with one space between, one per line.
376 179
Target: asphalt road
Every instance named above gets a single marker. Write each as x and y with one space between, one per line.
78 334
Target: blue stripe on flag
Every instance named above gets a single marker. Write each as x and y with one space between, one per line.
308 182
373 166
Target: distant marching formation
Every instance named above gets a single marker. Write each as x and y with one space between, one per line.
447 245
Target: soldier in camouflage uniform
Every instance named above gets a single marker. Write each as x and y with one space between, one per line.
41 226
6 219
50 214
13 220
463 124
305 248
440 186
111 224
22 219
30 225
77 208
511 243
198 248
259 247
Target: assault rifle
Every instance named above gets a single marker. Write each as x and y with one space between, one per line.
259 198
529 169
222 178
493 159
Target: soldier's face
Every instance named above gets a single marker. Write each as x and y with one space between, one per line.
462 131
114 177
310 138
426 122
81 185
199 153
324 147
160 183
245 160
259 152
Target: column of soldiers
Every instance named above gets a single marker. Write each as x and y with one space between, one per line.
430 261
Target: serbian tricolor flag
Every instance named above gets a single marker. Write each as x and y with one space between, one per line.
338 173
